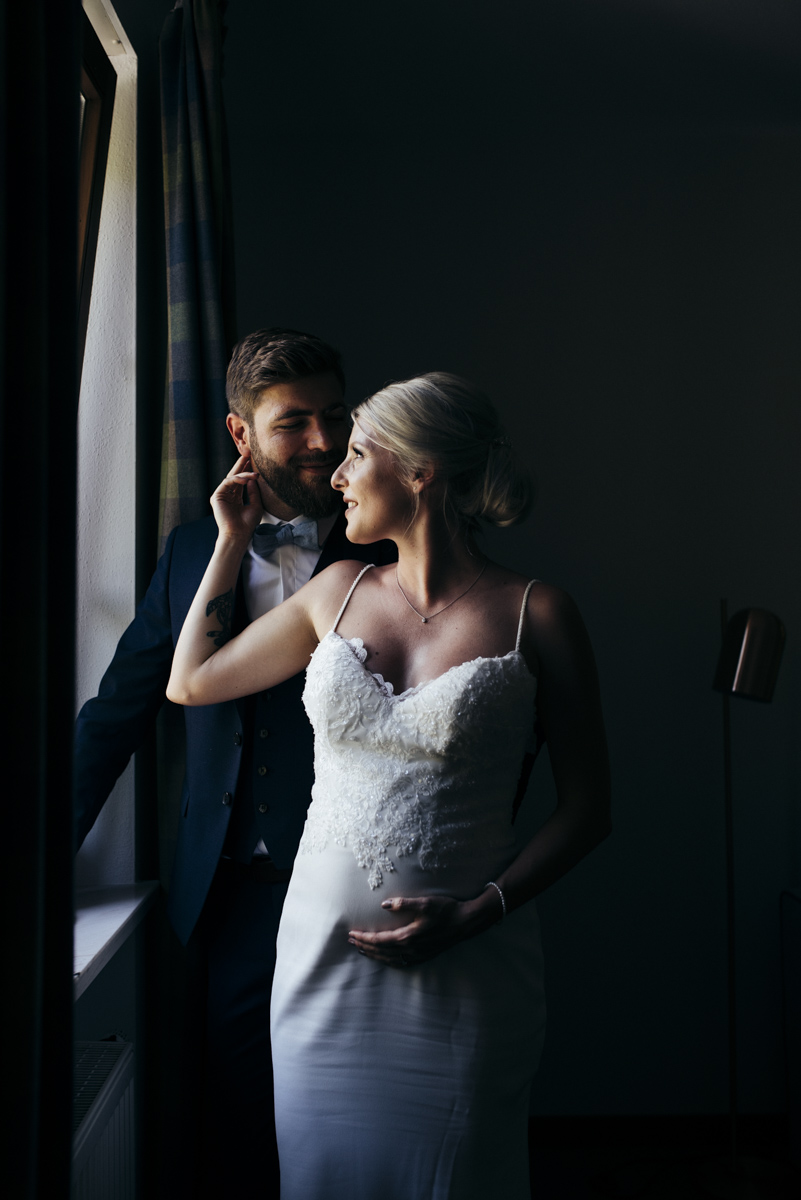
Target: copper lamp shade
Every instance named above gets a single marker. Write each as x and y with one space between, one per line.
750 655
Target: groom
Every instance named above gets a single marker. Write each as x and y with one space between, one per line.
249 767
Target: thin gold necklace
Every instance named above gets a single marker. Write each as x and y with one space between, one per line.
425 620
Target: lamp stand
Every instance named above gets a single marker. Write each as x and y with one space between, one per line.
730 938
735 1178
748 666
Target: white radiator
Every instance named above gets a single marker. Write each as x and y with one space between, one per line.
103 1138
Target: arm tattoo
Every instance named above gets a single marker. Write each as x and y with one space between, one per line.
224 608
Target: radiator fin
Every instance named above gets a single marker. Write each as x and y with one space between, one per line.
103 1147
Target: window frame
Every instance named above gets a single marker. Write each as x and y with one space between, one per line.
98 85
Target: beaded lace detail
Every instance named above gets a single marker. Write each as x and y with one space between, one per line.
429 772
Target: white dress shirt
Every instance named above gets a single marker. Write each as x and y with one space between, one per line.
269 581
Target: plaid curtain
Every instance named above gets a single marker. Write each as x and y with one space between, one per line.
196 447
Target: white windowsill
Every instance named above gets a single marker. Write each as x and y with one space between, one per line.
104 919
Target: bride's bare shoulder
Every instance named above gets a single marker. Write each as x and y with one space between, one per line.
347 569
551 613
553 625
541 596
326 591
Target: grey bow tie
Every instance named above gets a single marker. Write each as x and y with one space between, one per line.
267 538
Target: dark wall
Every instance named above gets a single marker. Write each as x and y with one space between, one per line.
598 219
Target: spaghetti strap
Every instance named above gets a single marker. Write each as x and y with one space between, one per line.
530 585
350 593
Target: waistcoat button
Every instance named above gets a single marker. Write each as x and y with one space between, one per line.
262 770
227 797
263 808
264 733
237 739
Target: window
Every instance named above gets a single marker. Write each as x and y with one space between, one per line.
106 582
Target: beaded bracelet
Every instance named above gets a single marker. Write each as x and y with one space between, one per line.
500 893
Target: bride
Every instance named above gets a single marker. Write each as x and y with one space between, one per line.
408 1012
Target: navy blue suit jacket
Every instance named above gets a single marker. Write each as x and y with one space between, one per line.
114 723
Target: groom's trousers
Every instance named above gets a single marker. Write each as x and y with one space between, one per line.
237 934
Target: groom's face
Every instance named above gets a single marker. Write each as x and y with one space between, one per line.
296 439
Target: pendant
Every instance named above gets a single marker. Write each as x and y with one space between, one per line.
424 620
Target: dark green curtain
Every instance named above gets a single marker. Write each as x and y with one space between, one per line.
196 450
40 54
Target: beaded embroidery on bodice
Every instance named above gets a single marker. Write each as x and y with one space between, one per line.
431 771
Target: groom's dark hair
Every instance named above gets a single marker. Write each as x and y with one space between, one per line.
271 356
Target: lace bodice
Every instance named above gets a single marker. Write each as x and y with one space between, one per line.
430 772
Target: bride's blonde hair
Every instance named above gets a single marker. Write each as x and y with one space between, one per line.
440 420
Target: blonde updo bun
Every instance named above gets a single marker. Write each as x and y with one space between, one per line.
440 420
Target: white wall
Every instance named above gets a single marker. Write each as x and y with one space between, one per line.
106 455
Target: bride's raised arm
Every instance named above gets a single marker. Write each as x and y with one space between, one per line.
210 665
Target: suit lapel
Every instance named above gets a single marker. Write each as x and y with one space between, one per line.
336 546
240 618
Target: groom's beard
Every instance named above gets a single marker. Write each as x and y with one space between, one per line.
313 497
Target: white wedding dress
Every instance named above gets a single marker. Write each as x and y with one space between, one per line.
406 1083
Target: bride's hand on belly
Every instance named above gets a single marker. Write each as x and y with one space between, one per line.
434 924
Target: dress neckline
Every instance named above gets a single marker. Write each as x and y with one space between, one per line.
355 645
